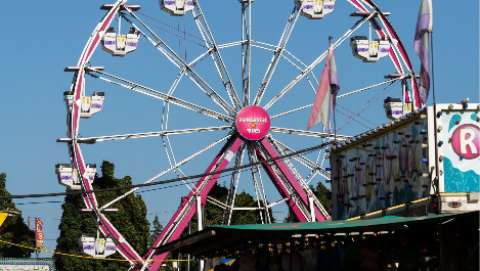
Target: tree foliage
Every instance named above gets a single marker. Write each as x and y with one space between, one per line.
157 228
324 196
14 228
130 220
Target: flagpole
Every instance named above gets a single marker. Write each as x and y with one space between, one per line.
335 126
330 40
435 132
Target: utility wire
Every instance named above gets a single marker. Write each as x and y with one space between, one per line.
168 181
172 30
138 192
72 255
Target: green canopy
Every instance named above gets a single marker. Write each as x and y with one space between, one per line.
227 238
335 225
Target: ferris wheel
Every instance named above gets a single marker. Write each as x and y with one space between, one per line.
252 136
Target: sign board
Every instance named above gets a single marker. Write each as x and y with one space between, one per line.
26 265
39 236
458 131
395 163
381 168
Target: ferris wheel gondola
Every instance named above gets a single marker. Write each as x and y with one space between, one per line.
68 176
98 247
317 9
90 105
177 7
369 50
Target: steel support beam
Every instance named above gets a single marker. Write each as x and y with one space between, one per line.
188 206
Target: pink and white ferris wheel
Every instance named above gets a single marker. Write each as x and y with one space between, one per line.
251 131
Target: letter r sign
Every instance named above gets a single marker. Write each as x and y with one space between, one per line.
466 141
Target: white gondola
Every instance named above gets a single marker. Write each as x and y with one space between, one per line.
98 247
177 7
316 9
393 108
90 104
120 44
68 176
369 50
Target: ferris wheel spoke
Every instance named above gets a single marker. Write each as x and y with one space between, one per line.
349 93
138 88
246 49
291 111
96 139
261 197
263 45
308 133
282 43
210 42
163 173
302 159
287 55
217 203
289 183
317 61
313 201
360 90
232 191
178 61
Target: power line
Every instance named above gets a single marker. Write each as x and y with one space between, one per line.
175 31
139 192
65 254
38 202
168 181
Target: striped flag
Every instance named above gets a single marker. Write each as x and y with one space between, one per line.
325 99
422 44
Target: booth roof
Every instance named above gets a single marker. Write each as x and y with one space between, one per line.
333 225
217 238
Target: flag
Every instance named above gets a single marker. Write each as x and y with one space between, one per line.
325 99
39 237
3 217
422 44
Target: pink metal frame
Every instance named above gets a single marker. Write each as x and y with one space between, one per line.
282 176
188 209
78 87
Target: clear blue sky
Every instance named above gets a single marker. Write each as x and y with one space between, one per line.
40 38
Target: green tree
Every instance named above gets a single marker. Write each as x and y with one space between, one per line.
324 196
130 220
157 228
14 228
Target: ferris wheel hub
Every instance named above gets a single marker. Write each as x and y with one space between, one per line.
252 122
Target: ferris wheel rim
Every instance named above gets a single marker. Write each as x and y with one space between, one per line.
79 87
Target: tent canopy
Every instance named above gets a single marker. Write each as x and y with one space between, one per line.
218 239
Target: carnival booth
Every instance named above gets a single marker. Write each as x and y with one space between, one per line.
399 167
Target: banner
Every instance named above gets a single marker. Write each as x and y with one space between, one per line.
3 217
39 236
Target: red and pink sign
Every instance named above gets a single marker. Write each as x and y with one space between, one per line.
466 141
253 122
